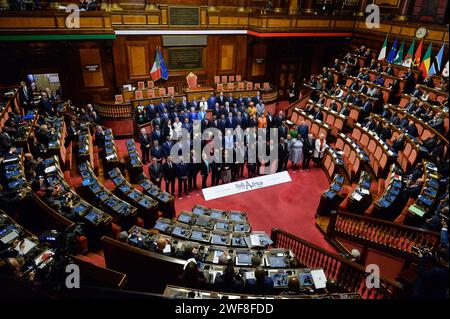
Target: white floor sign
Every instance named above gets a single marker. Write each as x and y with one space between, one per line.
246 185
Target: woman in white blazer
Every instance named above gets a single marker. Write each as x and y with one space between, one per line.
319 149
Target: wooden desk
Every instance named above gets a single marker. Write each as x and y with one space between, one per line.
198 93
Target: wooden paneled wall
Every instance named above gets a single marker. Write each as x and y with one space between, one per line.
134 56
91 56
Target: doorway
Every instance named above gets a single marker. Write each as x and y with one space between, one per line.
40 82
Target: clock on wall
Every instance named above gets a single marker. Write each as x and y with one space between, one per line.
421 32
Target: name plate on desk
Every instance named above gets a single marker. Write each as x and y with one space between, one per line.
246 185
184 16
185 58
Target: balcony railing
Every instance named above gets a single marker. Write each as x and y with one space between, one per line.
395 239
347 275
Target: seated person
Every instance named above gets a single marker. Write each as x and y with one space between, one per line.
256 260
187 252
160 244
192 276
229 281
123 237
262 284
293 286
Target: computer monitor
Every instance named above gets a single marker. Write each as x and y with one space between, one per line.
278 262
244 258
184 218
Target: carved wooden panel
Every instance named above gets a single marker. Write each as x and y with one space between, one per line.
91 22
137 60
259 59
226 57
91 57
134 19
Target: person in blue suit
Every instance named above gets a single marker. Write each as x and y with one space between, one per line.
262 284
182 171
303 130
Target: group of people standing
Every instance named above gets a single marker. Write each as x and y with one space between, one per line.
231 117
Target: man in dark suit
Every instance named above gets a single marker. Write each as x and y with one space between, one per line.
363 89
349 97
411 129
193 167
157 134
230 98
283 130
410 82
204 124
366 108
308 150
211 101
399 143
145 141
166 146
334 106
389 70
161 106
187 125
257 98
169 174
182 171
221 99
155 172
216 167
221 124
282 154
45 105
151 111
354 86
318 114
411 106
184 104
25 95
156 150
345 110
157 120
205 169
403 122
262 284
303 130
230 121
216 110
357 100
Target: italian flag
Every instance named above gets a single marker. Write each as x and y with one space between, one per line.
425 65
409 56
155 72
399 57
382 55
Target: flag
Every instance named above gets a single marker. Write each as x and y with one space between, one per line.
399 57
432 70
445 71
409 56
393 52
438 59
164 70
425 65
155 72
418 55
382 55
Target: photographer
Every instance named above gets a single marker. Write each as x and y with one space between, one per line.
432 276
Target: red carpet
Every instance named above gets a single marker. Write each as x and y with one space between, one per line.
290 206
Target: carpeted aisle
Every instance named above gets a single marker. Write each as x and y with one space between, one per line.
290 206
